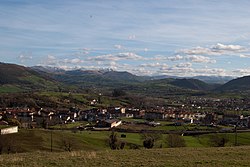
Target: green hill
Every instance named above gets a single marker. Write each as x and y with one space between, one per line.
15 78
91 78
239 84
194 84
106 80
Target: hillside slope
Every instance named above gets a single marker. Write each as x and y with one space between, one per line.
19 78
108 80
194 84
229 156
239 84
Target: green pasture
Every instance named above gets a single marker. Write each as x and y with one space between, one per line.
40 140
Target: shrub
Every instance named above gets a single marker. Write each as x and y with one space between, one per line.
175 140
149 139
114 142
14 122
218 141
148 142
133 146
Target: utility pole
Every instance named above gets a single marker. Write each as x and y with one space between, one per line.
50 140
235 136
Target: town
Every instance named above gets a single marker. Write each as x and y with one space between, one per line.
199 111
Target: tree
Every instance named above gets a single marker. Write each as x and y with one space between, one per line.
114 142
148 142
218 141
118 92
175 140
149 139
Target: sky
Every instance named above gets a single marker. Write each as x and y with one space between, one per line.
144 37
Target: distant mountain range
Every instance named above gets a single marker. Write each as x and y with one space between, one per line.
15 77
207 79
129 76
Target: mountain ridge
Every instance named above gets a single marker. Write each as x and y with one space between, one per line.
38 77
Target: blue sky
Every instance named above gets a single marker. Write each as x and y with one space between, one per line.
144 37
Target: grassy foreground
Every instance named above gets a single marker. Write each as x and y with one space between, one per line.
227 156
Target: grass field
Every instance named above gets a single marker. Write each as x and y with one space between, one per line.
40 140
226 156
90 148
9 89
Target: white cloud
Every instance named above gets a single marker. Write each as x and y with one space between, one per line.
131 37
199 51
244 55
116 57
175 58
176 71
72 61
24 57
118 46
141 71
184 65
171 58
154 65
241 72
50 57
218 49
50 60
199 59
236 48
193 58
186 70
210 71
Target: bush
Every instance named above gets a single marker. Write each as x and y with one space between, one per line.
133 146
149 139
148 142
175 140
118 92
14 122
114 142
218 141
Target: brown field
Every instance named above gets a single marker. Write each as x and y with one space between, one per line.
227 156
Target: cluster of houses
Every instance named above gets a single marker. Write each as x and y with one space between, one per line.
109 117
